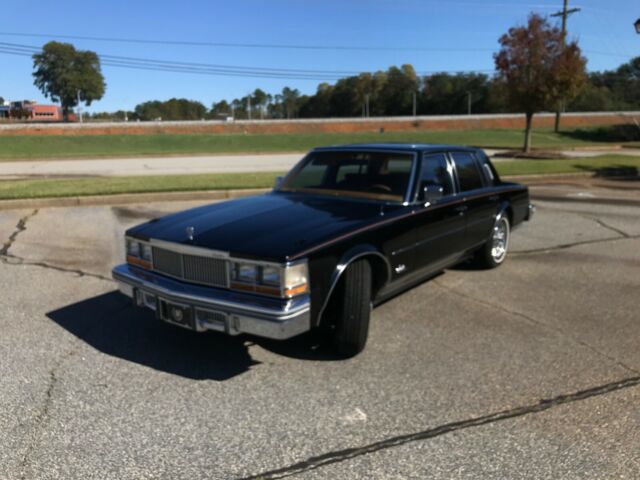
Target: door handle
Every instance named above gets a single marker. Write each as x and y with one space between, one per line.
461 209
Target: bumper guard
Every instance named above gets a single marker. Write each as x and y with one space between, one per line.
207 308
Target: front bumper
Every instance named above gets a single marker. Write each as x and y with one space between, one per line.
531 211
215 309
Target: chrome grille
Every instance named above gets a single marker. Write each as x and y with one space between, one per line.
191 268
211 271
166 261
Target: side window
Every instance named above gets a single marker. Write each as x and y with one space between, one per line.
435 171
486 168
468 173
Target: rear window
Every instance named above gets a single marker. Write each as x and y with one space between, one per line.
469 176
373 175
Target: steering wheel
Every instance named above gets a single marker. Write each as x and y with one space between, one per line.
380 186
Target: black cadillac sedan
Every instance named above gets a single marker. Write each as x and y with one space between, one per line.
347 228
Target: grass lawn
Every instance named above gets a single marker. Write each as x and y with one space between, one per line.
569 165
87 146
16 189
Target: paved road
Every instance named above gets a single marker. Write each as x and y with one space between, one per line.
450 385
135 166
116 167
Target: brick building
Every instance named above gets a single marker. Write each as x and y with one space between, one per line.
31 111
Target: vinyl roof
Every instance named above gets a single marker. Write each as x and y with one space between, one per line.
409 147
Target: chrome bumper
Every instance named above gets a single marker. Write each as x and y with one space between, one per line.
531 210
215 309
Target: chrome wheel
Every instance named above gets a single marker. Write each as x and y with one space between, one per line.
500 240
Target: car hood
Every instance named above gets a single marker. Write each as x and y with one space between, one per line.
271 226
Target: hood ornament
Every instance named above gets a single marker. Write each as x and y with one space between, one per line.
190 232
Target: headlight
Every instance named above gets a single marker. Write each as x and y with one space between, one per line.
245 272
271 276
146 252
133 248
268 279
138 253
296 280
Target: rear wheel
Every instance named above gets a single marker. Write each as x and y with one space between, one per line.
353 309
494 252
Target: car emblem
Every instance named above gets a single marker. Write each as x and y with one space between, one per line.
190 232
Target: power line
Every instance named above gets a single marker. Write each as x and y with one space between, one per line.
212 69
169 66
244 45
34 49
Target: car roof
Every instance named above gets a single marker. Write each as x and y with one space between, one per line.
408 147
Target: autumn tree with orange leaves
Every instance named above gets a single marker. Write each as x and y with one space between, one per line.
538 70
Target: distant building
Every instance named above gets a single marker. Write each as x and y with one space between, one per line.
31 111
4 111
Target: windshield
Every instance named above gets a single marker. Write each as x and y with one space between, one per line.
373 175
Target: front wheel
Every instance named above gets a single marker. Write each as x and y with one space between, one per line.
494 252
354 309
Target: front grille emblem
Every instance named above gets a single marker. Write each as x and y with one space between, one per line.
190 232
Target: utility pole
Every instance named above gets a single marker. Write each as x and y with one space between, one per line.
79 107
468 103
415 109
566 11
249 106
368 114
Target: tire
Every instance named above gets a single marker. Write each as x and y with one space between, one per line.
353 309
494 252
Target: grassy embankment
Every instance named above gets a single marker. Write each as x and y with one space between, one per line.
17 189
96 146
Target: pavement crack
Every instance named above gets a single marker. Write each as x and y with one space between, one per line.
13 260
42 416
572 244
337 456
537 322
20 227
609 227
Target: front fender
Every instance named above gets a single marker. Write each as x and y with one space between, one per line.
381 271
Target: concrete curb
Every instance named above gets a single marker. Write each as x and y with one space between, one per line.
548 176
623 202
133 198
127 198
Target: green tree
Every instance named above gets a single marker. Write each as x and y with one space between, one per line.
63 74
289 101
446 94
173 109
535 69
259 101
220 109
396 95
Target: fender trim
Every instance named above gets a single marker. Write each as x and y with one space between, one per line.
347 259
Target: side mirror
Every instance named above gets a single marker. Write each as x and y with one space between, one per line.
431 193
278 182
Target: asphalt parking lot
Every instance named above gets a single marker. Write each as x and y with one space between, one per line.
528 371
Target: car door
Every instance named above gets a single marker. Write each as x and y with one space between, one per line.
479 202
441 225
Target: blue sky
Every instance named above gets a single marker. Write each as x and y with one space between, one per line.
469 29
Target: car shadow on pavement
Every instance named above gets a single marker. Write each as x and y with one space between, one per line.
110 324
314 345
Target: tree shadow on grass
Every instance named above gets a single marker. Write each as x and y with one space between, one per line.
613 172
608 134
